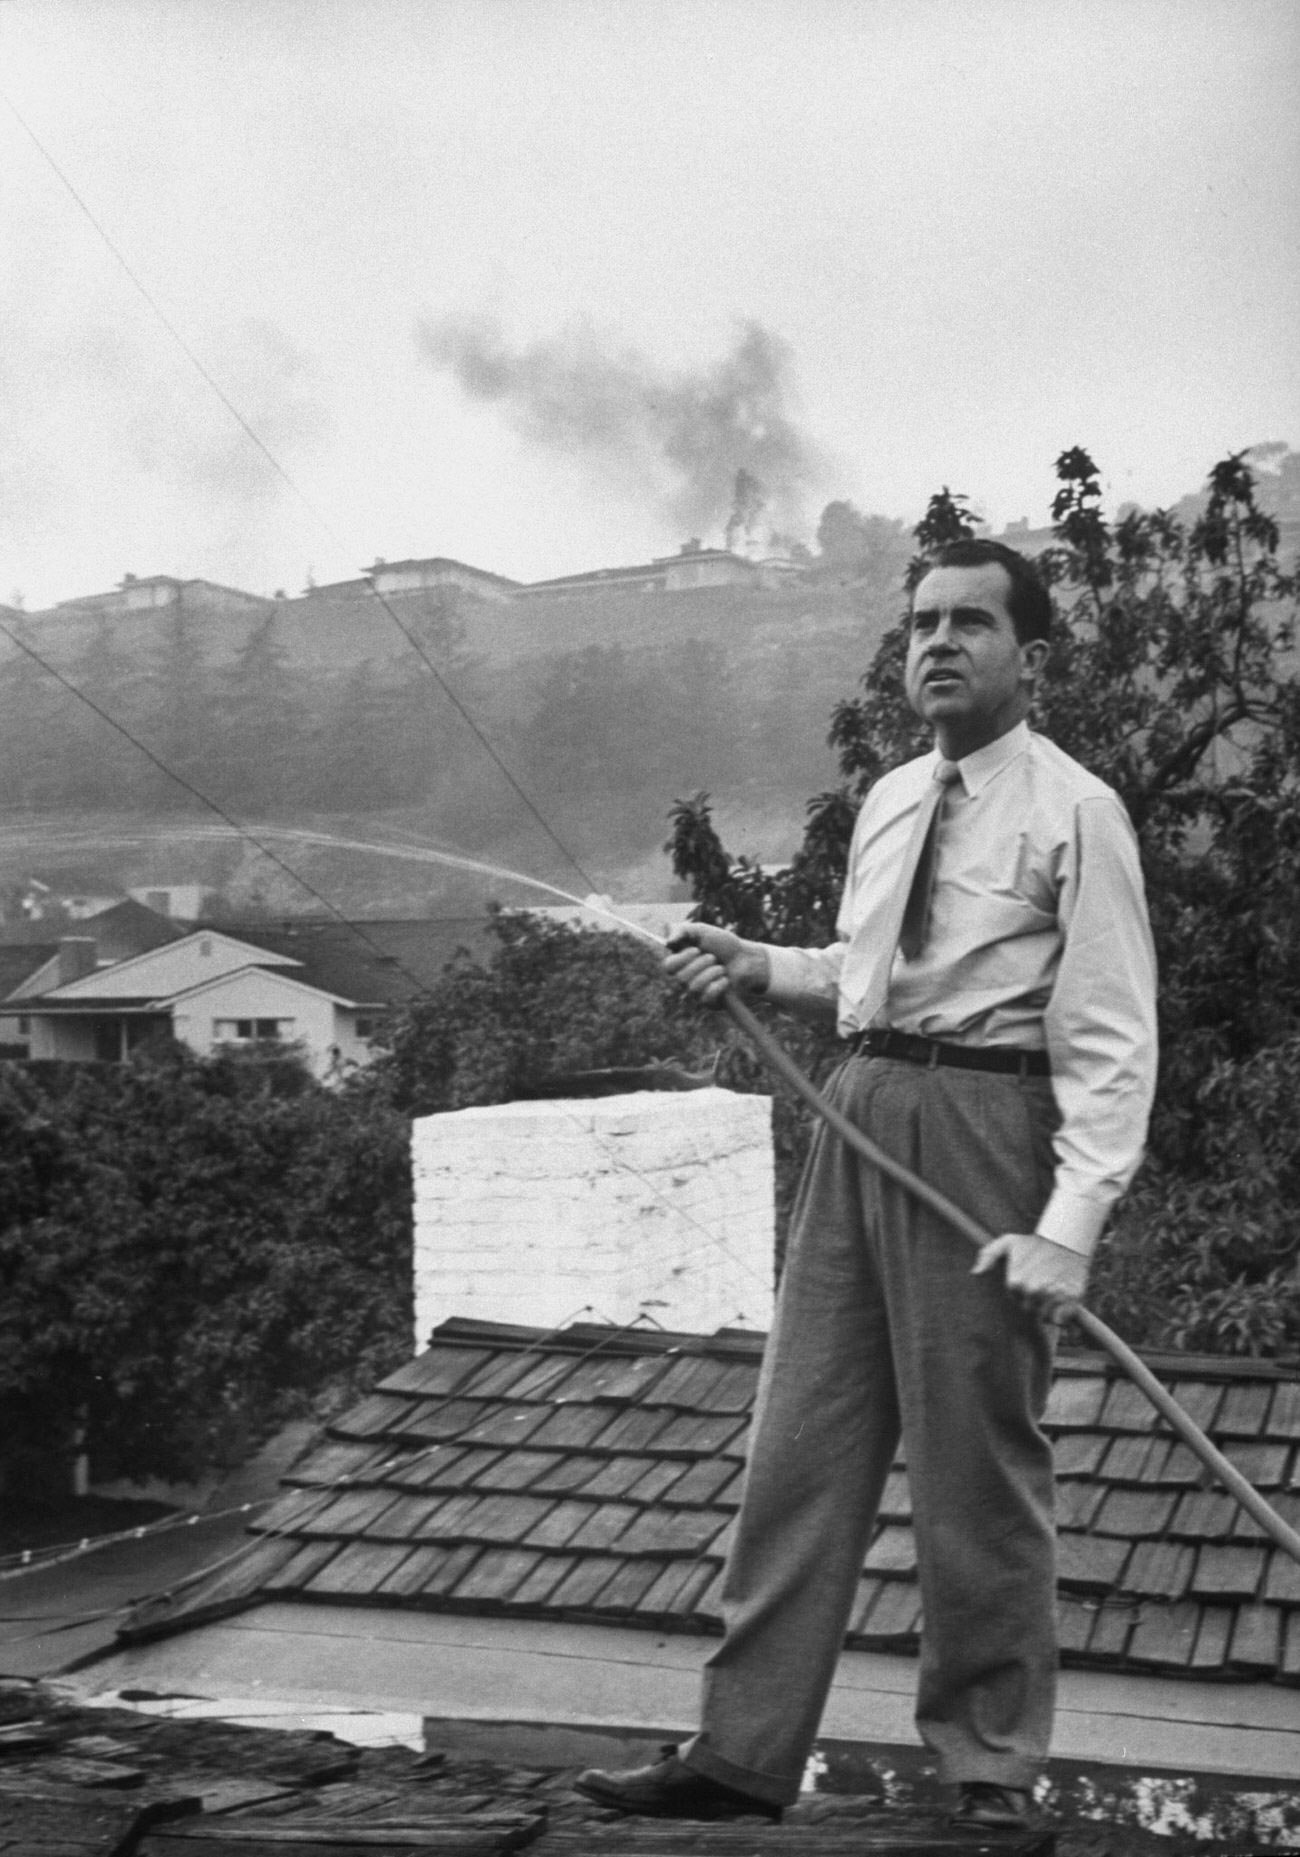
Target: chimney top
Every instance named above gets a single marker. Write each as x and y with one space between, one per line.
78 956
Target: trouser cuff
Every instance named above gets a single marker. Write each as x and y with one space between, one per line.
700 1757
1020 1775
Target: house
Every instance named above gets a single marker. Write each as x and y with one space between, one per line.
519 1534
438 571
33 958
323 985
691 569
208 990
164 592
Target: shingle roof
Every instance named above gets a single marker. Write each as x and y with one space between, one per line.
371 962
594 1473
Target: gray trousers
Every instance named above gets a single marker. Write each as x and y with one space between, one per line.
881 1329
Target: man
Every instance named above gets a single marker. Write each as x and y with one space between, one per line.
994 975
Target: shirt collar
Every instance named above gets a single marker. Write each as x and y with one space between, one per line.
979 768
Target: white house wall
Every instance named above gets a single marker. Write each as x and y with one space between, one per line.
324 1029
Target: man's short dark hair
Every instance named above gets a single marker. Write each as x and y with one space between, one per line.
1028 602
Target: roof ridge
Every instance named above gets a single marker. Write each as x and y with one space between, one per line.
470 1331
1181 1366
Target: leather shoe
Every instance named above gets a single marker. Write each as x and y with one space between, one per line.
982 1806
670 1789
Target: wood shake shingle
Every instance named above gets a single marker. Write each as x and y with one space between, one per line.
594 1473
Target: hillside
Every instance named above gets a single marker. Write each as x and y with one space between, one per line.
318 713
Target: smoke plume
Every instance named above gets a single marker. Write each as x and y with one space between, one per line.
705 447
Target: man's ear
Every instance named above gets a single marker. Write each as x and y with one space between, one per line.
1033 656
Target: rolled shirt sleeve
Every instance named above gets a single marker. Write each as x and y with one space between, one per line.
797 975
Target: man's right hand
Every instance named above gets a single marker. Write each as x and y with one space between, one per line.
710 960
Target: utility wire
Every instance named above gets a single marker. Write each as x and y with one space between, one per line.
317 516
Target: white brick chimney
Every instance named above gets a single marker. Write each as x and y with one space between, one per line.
659 1201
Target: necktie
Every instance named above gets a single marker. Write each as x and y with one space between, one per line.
903 927
916 911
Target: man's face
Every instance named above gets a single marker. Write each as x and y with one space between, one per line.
967 673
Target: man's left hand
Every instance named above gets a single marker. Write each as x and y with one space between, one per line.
1046 1277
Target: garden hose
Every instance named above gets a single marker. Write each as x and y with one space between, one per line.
1168 1407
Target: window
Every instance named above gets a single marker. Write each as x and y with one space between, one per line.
251 1031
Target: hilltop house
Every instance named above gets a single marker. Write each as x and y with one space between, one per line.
439 571
164 592
692 568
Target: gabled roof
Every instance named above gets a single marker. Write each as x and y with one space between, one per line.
593 1473
128 928
366 963
144 975
383 960
283 979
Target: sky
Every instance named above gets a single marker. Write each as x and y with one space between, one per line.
526 282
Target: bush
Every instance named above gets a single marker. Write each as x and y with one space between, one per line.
1204 1259
190 1250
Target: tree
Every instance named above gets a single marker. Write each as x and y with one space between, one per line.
1172 676
190 1250
35 712
550 999
100 770
265 725
177 720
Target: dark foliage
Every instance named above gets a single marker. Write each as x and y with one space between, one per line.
190 1250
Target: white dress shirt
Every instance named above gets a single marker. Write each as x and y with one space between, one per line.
1038 938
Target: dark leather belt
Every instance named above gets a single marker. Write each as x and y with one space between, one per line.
912 1049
